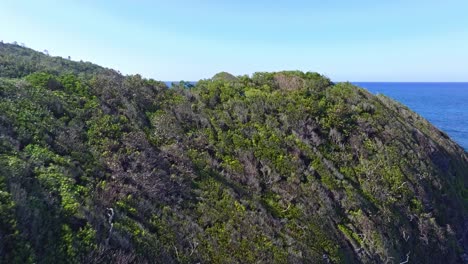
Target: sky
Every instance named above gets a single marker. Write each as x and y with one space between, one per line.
360 40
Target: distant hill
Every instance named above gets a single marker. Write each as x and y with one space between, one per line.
283 167
17 61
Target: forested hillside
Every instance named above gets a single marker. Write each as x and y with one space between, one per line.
285 167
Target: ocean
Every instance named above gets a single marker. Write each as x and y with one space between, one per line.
443 104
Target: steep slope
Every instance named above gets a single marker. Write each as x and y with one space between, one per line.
281 167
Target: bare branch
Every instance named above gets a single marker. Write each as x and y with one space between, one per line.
407 258
110 217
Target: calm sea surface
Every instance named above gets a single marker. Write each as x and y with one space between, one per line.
444 104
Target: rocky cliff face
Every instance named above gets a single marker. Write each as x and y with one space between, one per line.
273 168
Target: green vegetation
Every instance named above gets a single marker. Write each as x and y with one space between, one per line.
286 167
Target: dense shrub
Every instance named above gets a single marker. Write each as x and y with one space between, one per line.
287 167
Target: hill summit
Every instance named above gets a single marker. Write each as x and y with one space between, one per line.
286 167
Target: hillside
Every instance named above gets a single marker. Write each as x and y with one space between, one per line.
285 167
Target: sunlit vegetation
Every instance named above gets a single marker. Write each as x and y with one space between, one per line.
286 167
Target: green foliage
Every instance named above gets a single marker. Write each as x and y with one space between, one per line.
224 220
13 247
73 85
104 128
40 79
288 211
282 167
350 234
17 62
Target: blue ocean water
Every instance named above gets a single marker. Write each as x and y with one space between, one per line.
443 104
169 83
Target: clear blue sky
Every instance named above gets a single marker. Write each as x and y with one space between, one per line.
360 40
